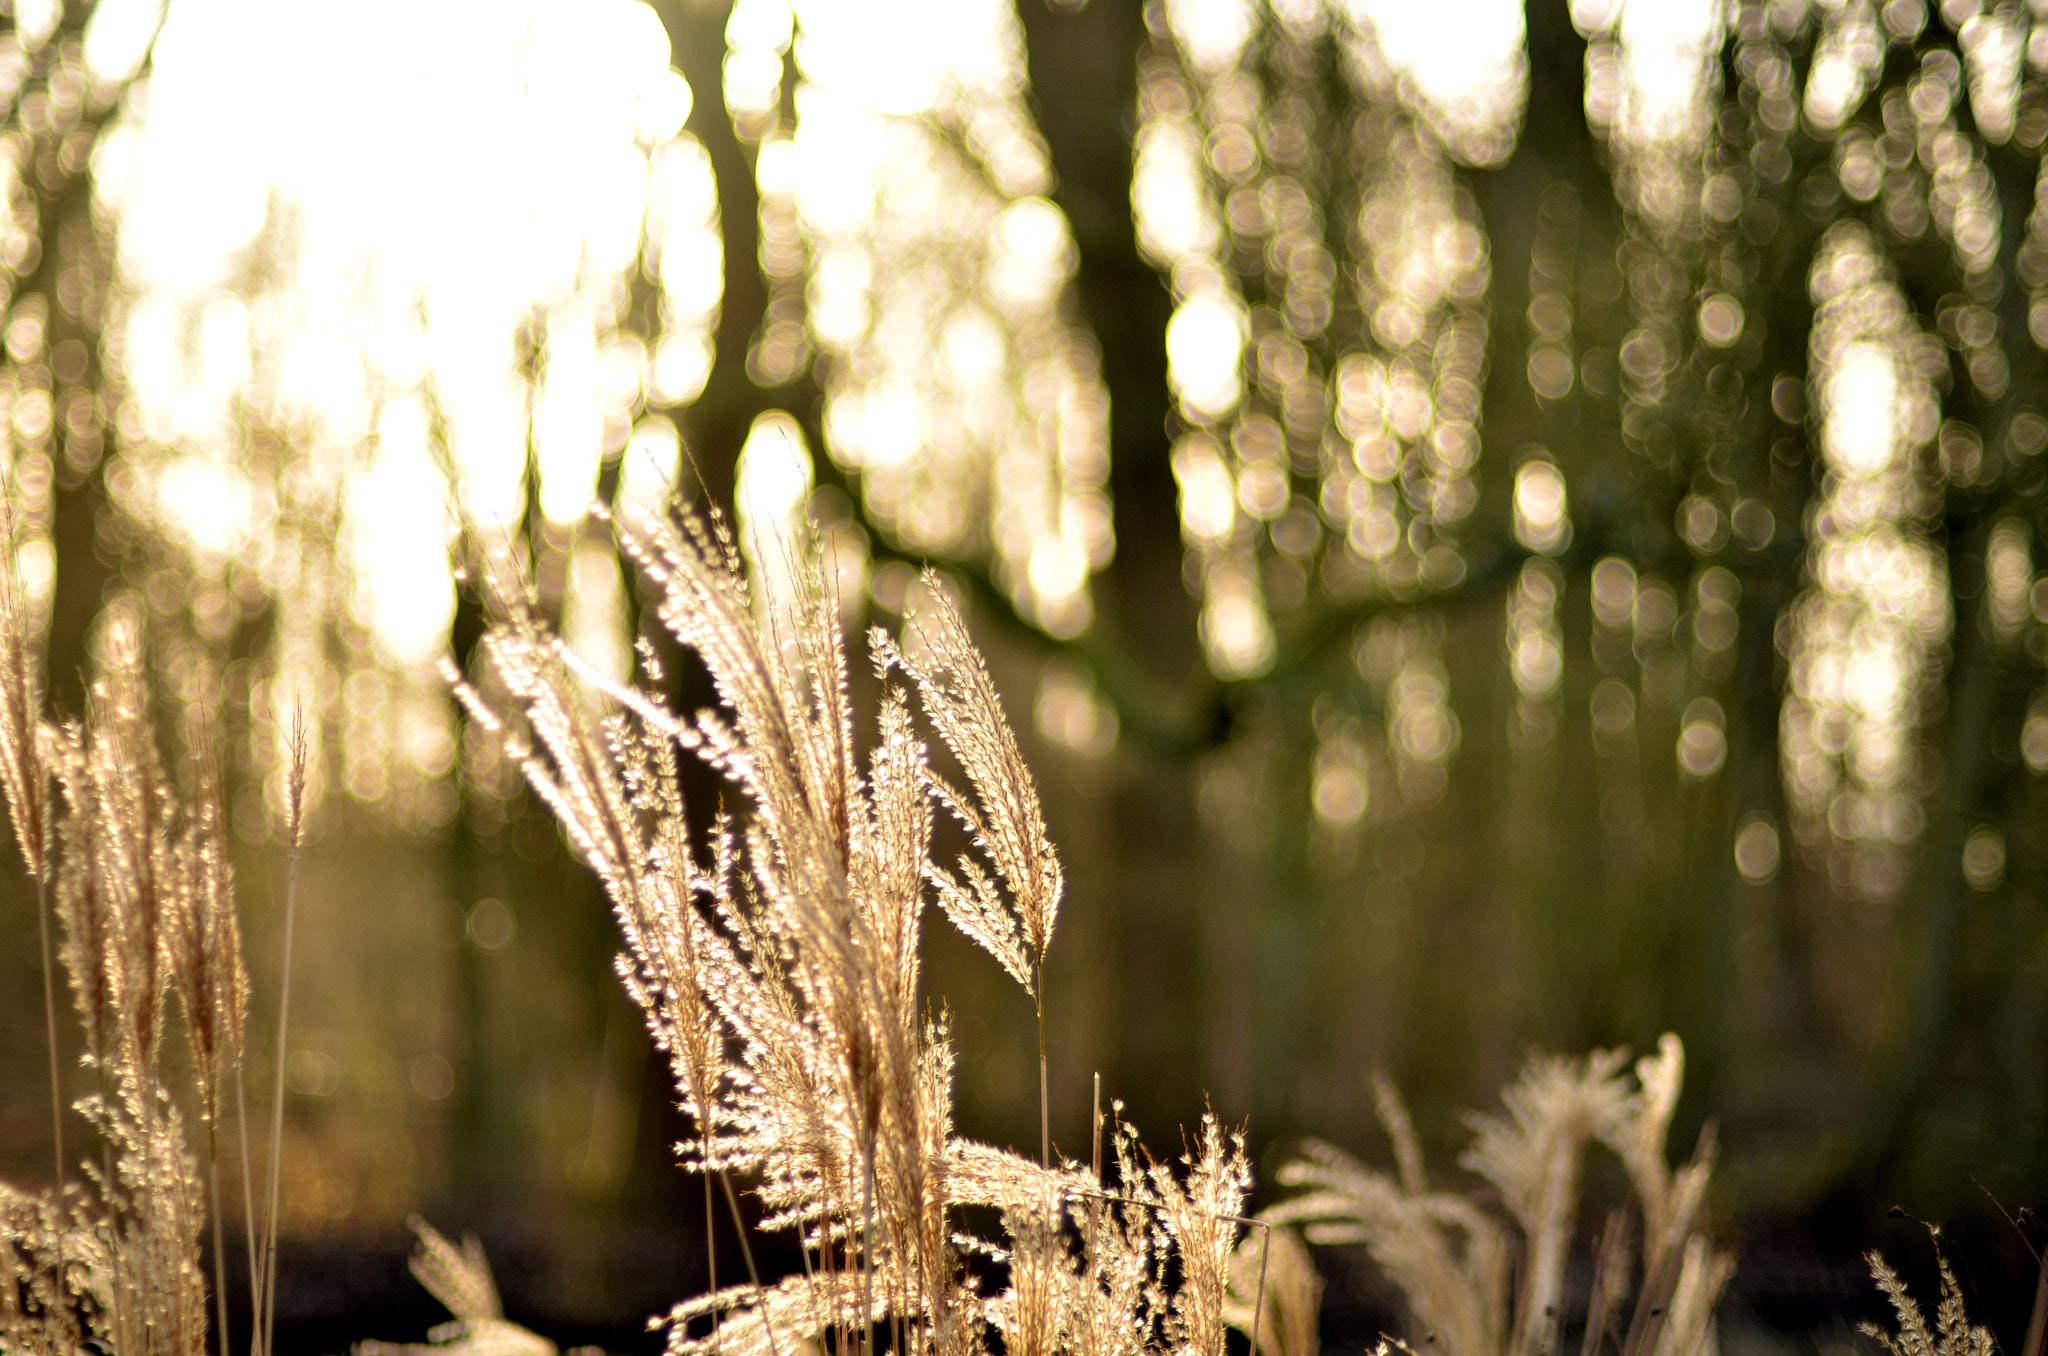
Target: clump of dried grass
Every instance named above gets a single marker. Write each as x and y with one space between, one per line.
147 914
774 951
1276 1297
145 903
1453 1259
1952 1334
460 1278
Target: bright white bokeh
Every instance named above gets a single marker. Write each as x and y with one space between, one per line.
1867 636
1465 64
1861 434
371 270
390 202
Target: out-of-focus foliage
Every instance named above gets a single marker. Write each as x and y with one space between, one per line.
1743 317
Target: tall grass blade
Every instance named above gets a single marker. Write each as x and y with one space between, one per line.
295 803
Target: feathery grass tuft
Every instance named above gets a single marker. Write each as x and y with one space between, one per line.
460 1279
1451 1257
145 902
1275 1295
773 948
1952 1334
25 779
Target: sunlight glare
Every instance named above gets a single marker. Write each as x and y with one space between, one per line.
1463 63
772 485
1860 433
399 528
1204 345
1867 637
416 253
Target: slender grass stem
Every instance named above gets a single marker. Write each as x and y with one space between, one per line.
1094 1242
220 1251
1259 1300
1044 1098
711 1259
56 1061
249 1240
833 1263
747 1254
2037 1325
867 1249
277 1093
1095 1131
739 1225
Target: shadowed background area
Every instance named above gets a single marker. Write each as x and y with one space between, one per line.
1495 526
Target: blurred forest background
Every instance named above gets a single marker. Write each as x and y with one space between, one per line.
1498 526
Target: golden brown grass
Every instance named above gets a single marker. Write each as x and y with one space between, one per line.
461 1280
773 947
1952 1333
149 940
1457 1262
143 897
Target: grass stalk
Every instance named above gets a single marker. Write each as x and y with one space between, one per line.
249 1238
277 1093
1093 1259
2037 1323
1259 1300
294 826
1044 1097
56 1060
867 1248
747 1255
220 1251
711 1254
1647 1324
1095 1122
